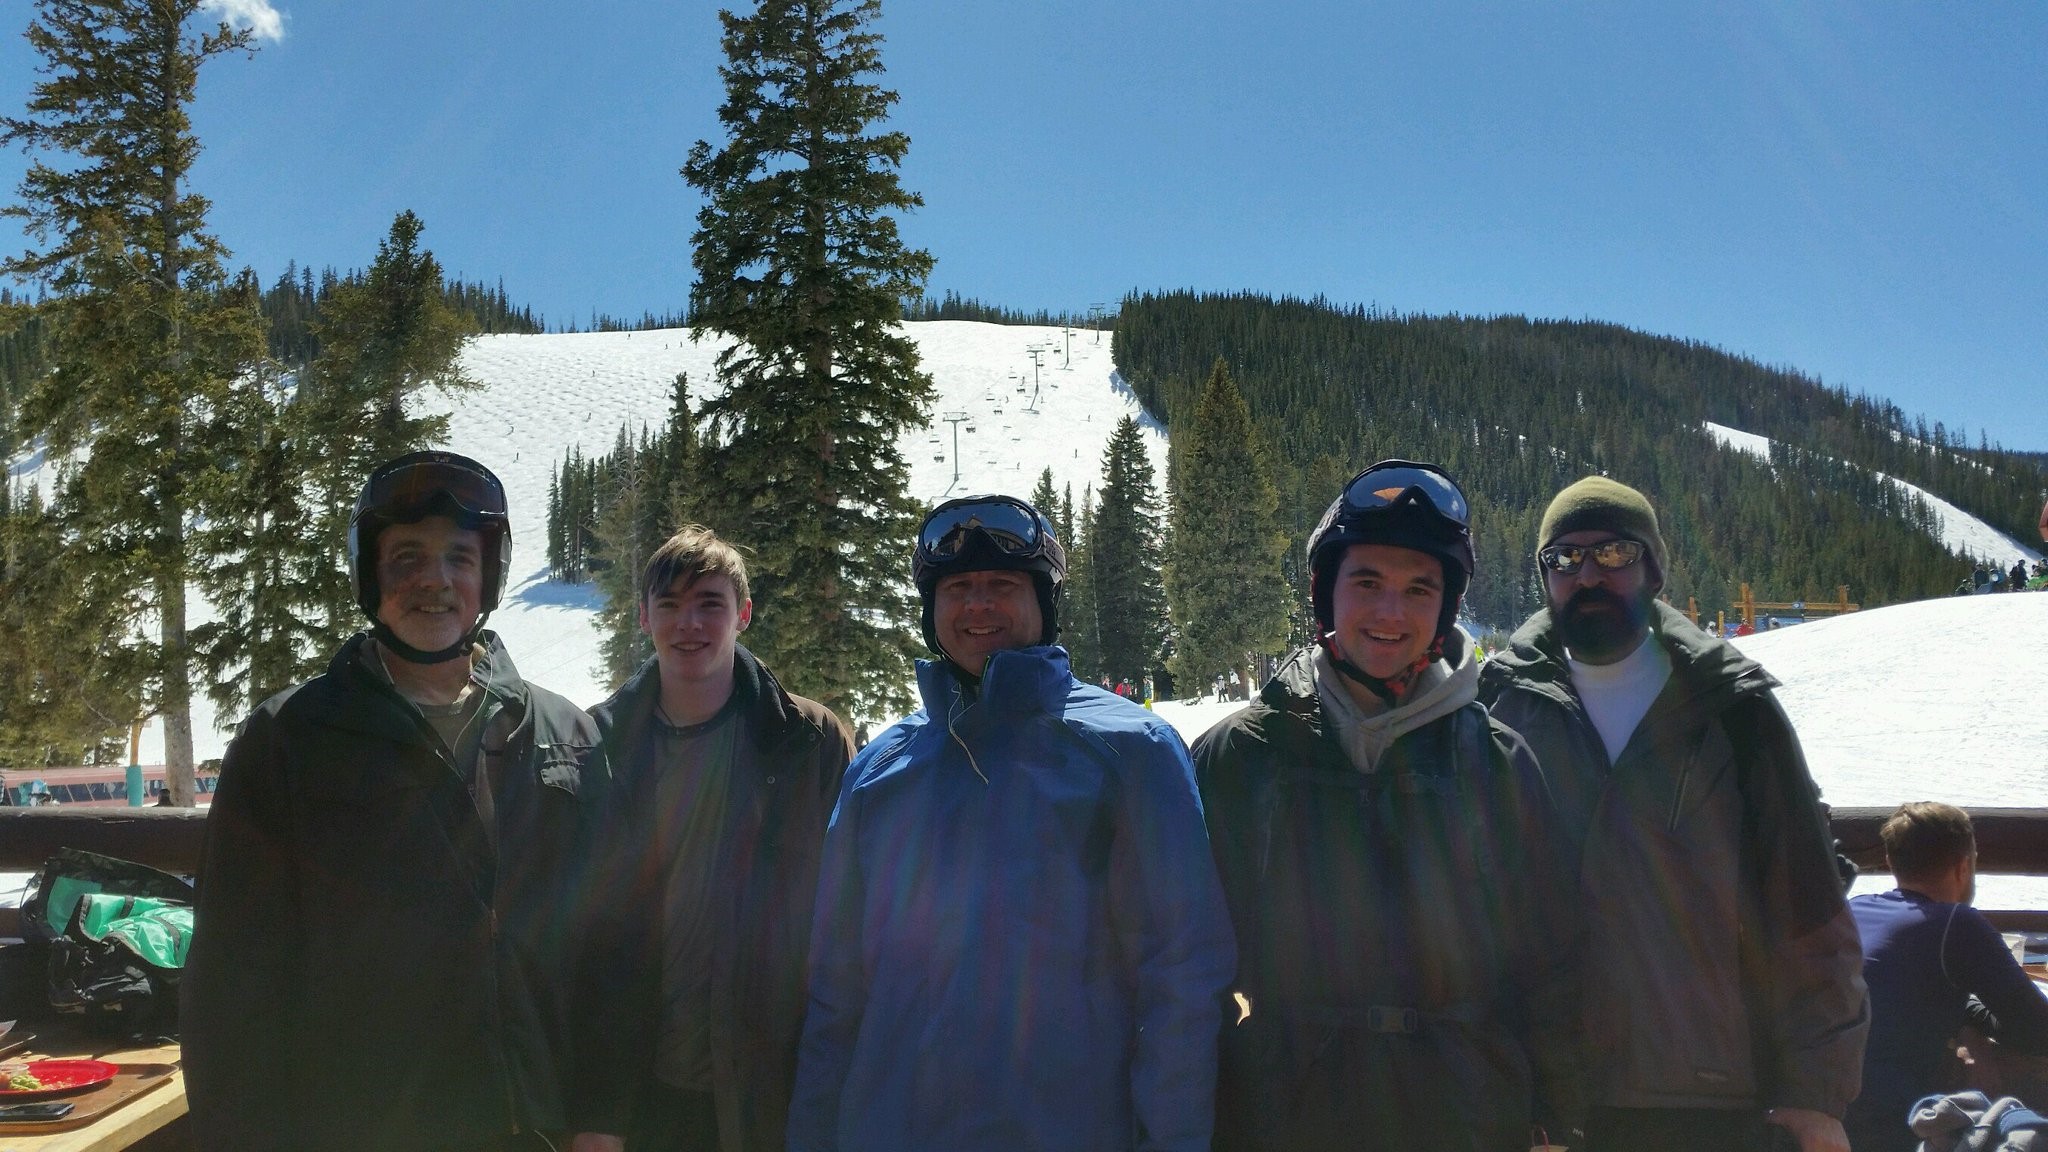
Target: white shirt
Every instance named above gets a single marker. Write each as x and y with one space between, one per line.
1617 696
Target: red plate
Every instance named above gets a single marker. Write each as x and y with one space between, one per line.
60 1077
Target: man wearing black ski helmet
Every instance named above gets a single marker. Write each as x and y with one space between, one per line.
1365 807
1020 830
1401 504
987 534
446 812
408 490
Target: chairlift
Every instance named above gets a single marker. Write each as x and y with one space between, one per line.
940 457
970 427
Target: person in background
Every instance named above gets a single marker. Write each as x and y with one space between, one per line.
1933 963
726 783
397 944
1723 983
1397 875
1020 941
2018 579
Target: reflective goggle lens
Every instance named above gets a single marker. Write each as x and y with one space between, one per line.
415 484
1383 487
1611 555
1012 529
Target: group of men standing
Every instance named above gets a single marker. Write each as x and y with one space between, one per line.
1583 896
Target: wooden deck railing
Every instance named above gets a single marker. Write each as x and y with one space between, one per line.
2009 840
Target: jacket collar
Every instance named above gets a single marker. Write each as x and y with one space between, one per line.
763 701
1018 680
357 699
1710 672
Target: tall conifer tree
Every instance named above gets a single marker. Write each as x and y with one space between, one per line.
145 348
1077 606
798 260
1124 560
1224 582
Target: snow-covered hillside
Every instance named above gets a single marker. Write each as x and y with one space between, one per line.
1961 533
543 394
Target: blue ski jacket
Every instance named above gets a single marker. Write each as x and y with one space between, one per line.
1020 940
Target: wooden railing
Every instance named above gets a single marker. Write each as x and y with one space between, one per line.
2009 840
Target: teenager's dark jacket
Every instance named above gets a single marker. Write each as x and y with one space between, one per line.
366 970
1722 966
769 852
1405 934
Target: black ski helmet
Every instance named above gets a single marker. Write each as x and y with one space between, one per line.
989 533
409 489
1405 504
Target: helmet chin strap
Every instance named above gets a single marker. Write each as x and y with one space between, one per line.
1393 687
412 655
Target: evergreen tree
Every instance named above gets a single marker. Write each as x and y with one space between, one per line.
1078 628
1046 499
145 347
625 529
799 262
383 337
1224 581
1124 560
676 479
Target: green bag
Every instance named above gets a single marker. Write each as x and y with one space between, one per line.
159 931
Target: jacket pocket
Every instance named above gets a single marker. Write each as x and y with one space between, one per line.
560 766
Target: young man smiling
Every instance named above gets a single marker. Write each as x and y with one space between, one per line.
1393 865
1723 986
1019 944
727 783
395 889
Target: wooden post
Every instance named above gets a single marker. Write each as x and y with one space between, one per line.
1748 606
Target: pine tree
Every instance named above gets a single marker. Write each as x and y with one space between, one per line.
1046 499
145 347
799 262
1224 582
623 530
1078 627
676 473
1124 559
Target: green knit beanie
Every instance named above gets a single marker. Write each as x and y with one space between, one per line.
1599 503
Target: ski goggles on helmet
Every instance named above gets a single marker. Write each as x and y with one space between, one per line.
1403 483
1009 525
1608 555
421 479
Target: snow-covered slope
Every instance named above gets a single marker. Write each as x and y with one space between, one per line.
1961 533
543 394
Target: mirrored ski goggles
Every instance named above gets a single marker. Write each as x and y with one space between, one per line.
1609 555
1009 525
1398 482
415 483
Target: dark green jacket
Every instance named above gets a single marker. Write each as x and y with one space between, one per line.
778 805
366 970
1722 968
1405 936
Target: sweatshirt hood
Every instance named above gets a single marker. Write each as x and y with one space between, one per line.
1366 730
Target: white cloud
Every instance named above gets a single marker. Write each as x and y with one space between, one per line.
266 22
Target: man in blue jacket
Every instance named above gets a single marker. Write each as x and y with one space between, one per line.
1020 941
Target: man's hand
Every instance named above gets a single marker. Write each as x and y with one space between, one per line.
599 1142
1816 1131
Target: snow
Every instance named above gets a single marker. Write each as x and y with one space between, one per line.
543 394
1931 699
1960 532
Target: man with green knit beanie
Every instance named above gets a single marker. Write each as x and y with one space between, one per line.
1723 987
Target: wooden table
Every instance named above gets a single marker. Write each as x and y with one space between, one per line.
118 1129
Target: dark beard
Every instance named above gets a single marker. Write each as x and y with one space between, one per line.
1595 634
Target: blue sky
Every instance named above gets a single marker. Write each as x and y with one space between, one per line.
1859 191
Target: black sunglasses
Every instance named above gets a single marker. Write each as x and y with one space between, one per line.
1008 524
1398 482
1610 555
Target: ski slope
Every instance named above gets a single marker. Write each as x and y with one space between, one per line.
1961 533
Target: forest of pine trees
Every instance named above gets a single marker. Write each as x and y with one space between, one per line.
1517 408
